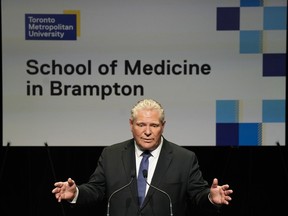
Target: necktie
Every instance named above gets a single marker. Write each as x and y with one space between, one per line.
141 181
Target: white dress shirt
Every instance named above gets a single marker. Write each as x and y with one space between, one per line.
152 161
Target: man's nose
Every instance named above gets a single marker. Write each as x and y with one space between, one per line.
147 131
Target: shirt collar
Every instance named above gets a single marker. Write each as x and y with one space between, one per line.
155 153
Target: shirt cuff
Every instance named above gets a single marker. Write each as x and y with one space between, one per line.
76 196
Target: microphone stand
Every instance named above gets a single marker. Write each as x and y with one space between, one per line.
158 189
108 204
282 160
4 161
53 172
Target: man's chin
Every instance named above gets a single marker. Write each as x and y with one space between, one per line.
147 145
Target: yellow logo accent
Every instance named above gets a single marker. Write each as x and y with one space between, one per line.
77 12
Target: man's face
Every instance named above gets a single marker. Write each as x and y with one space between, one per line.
147 129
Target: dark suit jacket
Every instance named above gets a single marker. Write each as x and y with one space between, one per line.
177 173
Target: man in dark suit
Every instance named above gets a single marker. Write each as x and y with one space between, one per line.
173 180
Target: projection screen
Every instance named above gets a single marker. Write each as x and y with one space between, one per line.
72 70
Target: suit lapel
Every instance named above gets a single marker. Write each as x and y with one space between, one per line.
129 163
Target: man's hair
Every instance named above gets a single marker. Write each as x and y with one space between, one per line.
147 104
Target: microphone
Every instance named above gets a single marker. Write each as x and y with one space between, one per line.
121 188
145 174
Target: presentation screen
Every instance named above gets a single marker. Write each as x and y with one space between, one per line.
72 70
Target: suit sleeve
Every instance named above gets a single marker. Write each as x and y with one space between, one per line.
94 190
198 188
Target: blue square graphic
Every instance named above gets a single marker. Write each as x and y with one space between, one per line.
227 134
275 18
227 111
274 64
251 3
250 134
228 18
251 41
273 111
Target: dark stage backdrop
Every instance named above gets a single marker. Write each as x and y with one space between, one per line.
258 176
